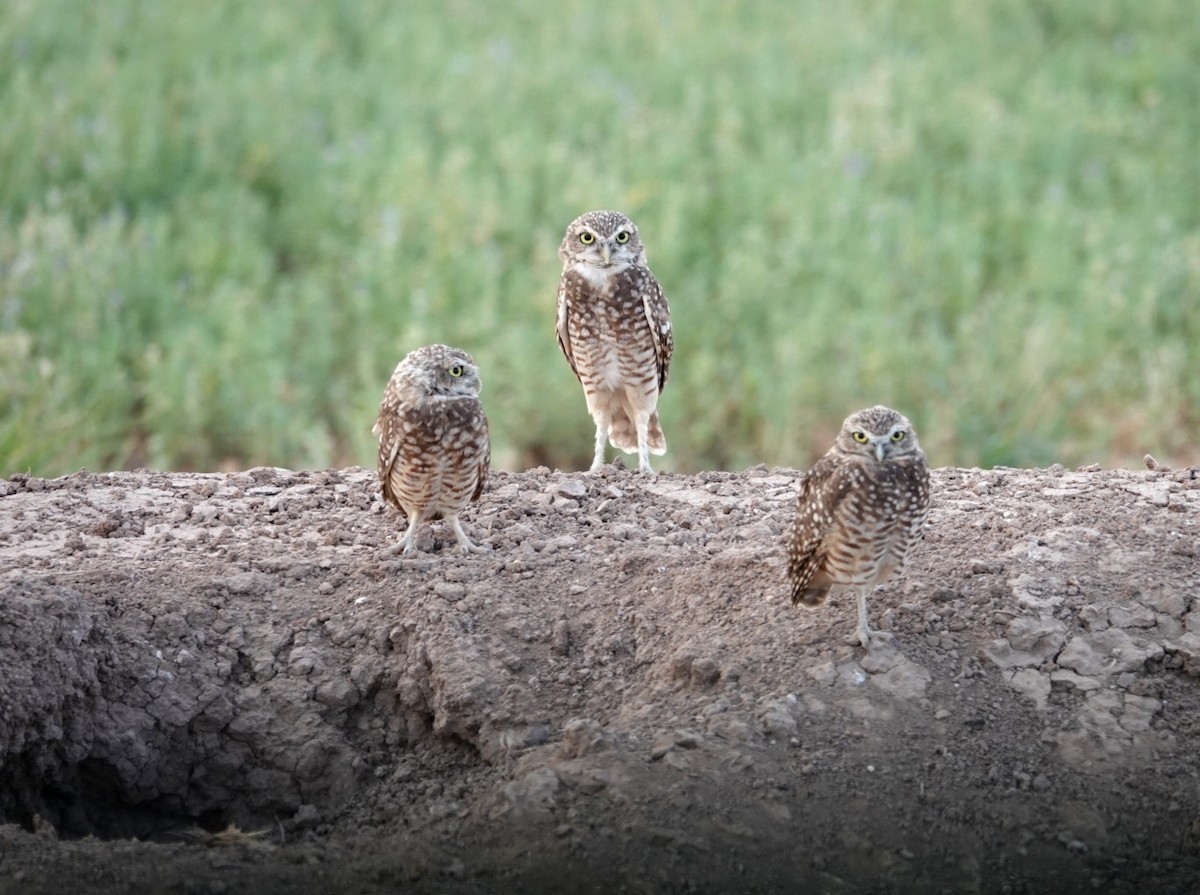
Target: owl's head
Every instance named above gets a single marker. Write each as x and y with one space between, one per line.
602 240
878 432
441 371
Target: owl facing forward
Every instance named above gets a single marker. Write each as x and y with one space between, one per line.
614 327
861 509
433 440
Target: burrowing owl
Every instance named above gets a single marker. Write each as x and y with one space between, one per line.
433 440
861 509
615 329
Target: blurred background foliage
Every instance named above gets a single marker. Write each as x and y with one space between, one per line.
223 223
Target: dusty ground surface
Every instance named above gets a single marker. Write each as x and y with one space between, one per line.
223 683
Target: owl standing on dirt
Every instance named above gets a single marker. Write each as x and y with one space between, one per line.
614 327
861 509
433 440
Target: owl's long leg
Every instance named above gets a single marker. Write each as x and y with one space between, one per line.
602 426
643 437
864 630
463 541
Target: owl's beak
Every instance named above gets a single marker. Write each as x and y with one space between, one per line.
605 253
880 450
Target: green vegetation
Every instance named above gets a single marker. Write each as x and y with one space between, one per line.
222 224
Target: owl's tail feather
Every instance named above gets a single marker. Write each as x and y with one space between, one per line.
810 596
622 434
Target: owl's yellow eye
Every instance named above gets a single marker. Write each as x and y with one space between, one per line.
623 237
587 238
860 437
898 435
456 371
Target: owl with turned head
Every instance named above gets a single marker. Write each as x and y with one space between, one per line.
614 327
433 440
861 509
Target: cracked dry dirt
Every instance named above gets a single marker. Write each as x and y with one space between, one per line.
223 683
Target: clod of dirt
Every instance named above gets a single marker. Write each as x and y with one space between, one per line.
220 682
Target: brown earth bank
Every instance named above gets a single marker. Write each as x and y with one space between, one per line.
226 683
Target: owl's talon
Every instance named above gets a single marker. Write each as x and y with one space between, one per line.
873 638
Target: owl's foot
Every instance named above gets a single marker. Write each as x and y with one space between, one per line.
869 638
468 548
407 544
464 543
599 466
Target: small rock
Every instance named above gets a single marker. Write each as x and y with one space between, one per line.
1094 618
1133 615
1033 684
249 584
306 817
906 680
583 736
1042 636
1002 655
1070 679
662 744
778 720
1107 652
572 488
405 770
1167 599
705 672
823 673
560 638
741 761
1073 845
449 590
677 761
733 729
1138 712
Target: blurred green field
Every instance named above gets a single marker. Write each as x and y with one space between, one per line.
222 224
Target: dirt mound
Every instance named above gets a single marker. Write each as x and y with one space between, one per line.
217 683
